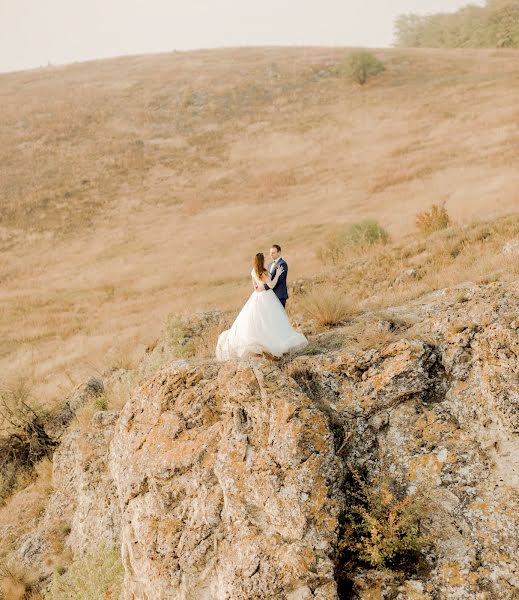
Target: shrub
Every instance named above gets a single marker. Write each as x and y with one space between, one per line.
179 342
98 574
366 233
353 236
101 402
433 220
327 306
382 526
194 336
363 65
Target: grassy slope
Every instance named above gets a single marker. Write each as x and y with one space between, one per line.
142 185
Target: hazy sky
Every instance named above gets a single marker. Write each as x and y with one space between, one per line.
36 32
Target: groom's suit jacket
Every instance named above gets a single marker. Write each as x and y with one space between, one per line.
280 289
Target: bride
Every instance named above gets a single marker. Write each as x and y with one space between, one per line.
262 324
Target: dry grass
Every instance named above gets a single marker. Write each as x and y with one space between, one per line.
21 512
448 257
117 391
95 575
206 344
353 238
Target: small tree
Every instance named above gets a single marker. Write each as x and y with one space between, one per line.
363 65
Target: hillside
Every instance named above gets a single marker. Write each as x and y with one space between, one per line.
140 186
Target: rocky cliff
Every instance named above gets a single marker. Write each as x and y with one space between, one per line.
234 481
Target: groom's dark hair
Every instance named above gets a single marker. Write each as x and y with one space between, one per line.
277 247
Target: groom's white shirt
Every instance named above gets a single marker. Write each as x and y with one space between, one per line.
273 265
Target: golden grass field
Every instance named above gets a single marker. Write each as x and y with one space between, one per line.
141 186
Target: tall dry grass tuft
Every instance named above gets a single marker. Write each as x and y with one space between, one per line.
433 220
327 306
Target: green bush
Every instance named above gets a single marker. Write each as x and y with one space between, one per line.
96 575
365 233
101 402
363 65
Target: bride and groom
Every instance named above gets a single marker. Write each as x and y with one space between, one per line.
262 326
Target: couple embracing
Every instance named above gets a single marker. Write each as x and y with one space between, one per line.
262 326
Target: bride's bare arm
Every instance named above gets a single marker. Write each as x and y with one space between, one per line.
272 282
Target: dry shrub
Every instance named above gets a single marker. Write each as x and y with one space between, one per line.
23 439
433 220
327 306
382 525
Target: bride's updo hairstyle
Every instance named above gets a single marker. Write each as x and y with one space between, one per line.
259 264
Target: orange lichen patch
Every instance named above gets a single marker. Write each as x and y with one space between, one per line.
431 428
451 573
301 560
413 593
426 465
479 505
186 450
367 402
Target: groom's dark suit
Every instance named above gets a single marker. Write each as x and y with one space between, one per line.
280 289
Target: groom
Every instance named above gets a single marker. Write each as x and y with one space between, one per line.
280 289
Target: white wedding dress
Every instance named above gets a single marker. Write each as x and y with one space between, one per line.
261 326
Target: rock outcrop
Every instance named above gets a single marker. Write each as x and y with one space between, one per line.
226 481
228 486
